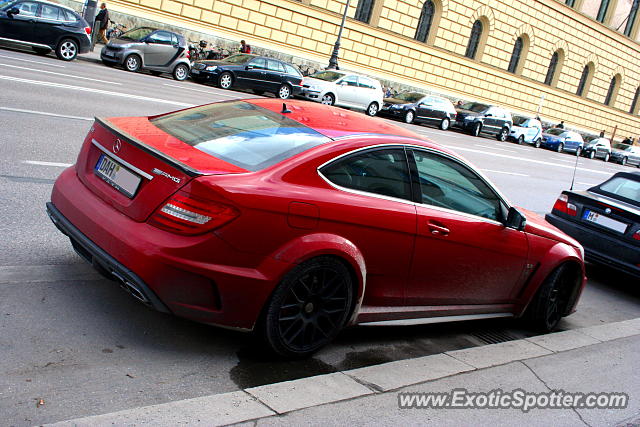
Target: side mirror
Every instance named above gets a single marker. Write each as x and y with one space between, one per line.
249 67
515 219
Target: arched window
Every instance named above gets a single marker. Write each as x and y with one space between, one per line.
426 19
474 40
583 80
363 11
634 103
611 93
515 56
551 72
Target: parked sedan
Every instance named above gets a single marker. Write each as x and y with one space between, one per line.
252 214
477 118
526 130
420 108
333 87
44 27
597 148
561 140
605 219
625 154
158 51
245 71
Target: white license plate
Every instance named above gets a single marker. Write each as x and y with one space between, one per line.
195 72
604 221
117 175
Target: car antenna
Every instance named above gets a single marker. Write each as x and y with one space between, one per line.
575 167
285 110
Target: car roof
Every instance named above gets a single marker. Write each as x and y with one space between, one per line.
53 4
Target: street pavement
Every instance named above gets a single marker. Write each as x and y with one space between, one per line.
76 341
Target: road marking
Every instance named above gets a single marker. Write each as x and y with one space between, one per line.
42 113
506 173
495 148
95 91
38 163
61 74
204 91
506 156
35 62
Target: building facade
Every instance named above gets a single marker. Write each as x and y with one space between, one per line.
571 60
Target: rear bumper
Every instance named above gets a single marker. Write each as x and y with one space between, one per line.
201 278
597 246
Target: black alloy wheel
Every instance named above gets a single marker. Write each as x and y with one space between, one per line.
550 302
308 308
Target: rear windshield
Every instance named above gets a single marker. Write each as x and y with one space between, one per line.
621 187
240 133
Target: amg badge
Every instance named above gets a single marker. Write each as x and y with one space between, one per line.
163 173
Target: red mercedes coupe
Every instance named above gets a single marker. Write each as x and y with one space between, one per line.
298 219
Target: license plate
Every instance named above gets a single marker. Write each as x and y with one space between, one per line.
604 221
195 72
119 177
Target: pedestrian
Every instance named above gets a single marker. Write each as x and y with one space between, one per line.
602 134
560 125
627 140
459 103
103 18
244 47
387 92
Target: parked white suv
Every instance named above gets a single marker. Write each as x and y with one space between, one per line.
332 87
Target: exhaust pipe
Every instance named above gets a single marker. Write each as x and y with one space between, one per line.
132 289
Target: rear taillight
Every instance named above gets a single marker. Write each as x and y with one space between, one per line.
87 30
636 235
188 54
186 214
563 205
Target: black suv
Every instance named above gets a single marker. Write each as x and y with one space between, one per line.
477 118
45 26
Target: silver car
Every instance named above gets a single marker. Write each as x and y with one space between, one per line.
158 51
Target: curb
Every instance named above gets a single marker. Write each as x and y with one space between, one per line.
280 398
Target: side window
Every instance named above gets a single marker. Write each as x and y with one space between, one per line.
160 37
274 66
350 80
50 12
365 82
292 70
27 9
259 63
69 16
174 40
448 184
380 171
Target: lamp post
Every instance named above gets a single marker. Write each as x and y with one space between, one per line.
333 61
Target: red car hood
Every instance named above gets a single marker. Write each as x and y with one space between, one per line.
537 225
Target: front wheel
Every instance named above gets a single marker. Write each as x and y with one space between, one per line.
550 303
409 116
284 92
67 50
477 128
502 135
328 99
181 72
372 109
308 308
560 147
226 80
132 63
607 156
445 123
537 143
592 154
521 140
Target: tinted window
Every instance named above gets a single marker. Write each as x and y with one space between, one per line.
27 8
50 12
383 172
448 184
292 70
274 66
240 133
259 63
161 37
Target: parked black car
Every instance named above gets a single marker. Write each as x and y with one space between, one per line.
246 71
44 27
605 219
419 108
477 118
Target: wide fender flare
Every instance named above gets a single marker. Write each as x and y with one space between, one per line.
557 255
322 244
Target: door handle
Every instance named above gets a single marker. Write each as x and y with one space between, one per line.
437 229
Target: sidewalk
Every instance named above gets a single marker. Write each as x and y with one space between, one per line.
602 358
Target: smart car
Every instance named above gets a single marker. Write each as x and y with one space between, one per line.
298 219
526 130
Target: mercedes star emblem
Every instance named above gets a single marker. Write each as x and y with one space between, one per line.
117 145
607 211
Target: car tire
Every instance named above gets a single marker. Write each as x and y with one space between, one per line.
521 140
502 135
445 123
477 128
578 151
537 143
67 50
41 50
409 116
550 302
284 92
328 99
308 308
133 63
560 148
623 161
592 154
226 80
372 109
258 91
606 157
180 72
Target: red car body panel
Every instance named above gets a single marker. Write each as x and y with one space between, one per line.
289 213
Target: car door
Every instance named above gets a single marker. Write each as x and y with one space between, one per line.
425 109
490 122
21 26
159 49
50 23
252 74
274 75
463 253
374 211
367 92
347 91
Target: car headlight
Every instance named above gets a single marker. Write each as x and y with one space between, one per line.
211 67
469 118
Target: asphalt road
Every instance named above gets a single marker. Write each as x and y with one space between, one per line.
82 345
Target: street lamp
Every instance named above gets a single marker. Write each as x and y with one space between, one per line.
333 61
